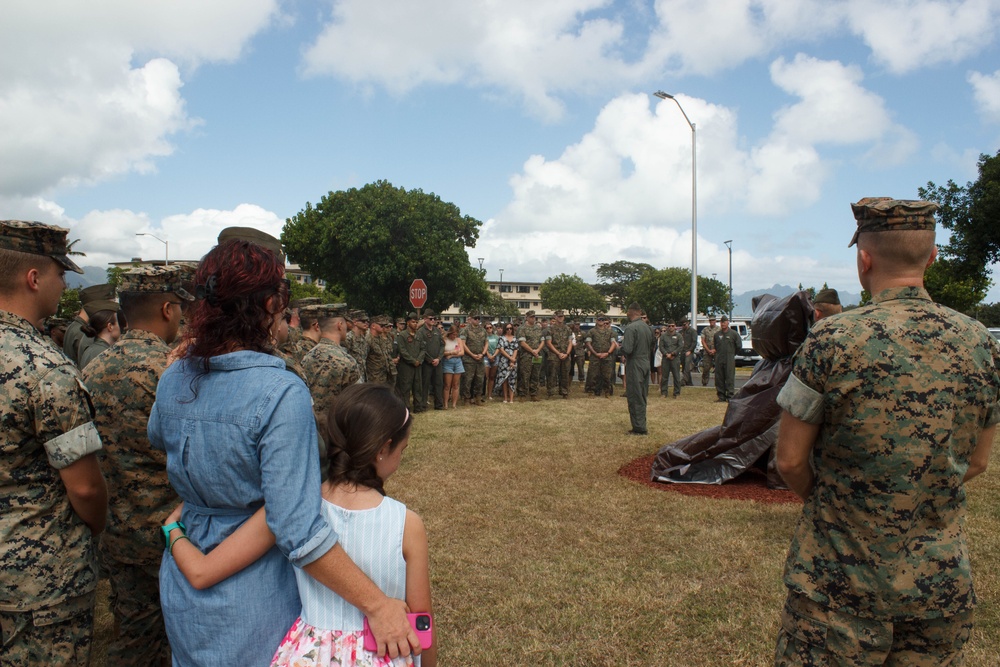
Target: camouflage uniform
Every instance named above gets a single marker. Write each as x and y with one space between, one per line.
529 366
409 380
379 367
671 343
579 356
329 370
901 389
123 383
561 338
600 340
357 344
474 336
708 360
690 335
47 555
299 351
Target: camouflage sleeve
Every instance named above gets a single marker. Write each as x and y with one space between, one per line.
64 415
801 401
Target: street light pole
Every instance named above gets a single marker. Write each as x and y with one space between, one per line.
694 205
480 262
729 244
501 286
166 247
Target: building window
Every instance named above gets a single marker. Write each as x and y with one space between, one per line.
523 289
523 305
506 288
535 304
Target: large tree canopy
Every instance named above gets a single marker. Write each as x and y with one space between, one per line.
374 241
615 278
665 294
970 213
570 293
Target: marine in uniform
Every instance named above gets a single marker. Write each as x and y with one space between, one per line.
890 408
475 344
690 335
379 366
432 377
636 344
826 303
726 343
409 380
579 356
560 346
122 382
672 347
708 349
529 359
328 367
53 499
75 341
357 339
601 345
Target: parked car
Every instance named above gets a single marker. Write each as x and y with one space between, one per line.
747 356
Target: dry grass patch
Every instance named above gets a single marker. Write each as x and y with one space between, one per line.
541 554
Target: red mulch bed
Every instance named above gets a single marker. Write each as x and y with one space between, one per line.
751 485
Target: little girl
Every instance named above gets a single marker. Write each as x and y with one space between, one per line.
367 430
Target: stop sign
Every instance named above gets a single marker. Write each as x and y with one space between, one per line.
418 293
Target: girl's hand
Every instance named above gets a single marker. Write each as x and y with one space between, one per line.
175 515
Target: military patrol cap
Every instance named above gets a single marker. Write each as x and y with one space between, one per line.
36 238
884 214
306 301
412 315
474 315
358 316
429 313
400 320
724 318
97 306
827 296
530 313
253 236
156 279
327 310
558 313
711 317
382 320
93 293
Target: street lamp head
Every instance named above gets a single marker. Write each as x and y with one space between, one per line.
662 95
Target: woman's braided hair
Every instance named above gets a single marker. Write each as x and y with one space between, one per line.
358 424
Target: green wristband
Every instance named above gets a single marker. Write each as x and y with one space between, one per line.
168 528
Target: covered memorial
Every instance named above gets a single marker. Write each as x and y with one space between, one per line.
749 432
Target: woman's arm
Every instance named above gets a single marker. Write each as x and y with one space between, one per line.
247 544
418 577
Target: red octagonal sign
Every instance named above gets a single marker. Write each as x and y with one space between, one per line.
418 293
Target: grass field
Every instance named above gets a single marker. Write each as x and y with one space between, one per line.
541 554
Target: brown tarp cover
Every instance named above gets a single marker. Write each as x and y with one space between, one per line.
749 430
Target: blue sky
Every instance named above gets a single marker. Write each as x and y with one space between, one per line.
180 118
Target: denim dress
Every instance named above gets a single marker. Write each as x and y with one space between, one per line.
238 437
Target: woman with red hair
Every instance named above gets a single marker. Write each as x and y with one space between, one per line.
239 434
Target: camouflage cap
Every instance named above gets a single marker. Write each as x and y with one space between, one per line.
530 313
827 296
400 320
156 279
253 236
473 314
325 311
358 316
306 301
557 313
93 293
382 320
36 238
884 214
724 318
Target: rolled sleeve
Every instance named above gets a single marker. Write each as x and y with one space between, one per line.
68 448
801 401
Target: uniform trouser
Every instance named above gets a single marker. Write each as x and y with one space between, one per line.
432 379
135 593
474 376
707 361
409 383
601 375
558 375
57 635
670 368
637 390
725 377
528 374
687 363
591 374
577 364
814 635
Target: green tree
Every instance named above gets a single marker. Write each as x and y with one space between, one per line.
498 307
970 213
665 294
614 279
989 314
69 304
570 293
114 274
374 241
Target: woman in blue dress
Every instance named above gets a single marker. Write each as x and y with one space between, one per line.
239 433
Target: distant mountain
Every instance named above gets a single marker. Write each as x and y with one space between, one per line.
92 275
743 303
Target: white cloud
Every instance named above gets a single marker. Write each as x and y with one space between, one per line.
986 89
91 90
908 34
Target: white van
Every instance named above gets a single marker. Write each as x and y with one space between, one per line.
748 356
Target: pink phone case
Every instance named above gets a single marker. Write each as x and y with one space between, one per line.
423 625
